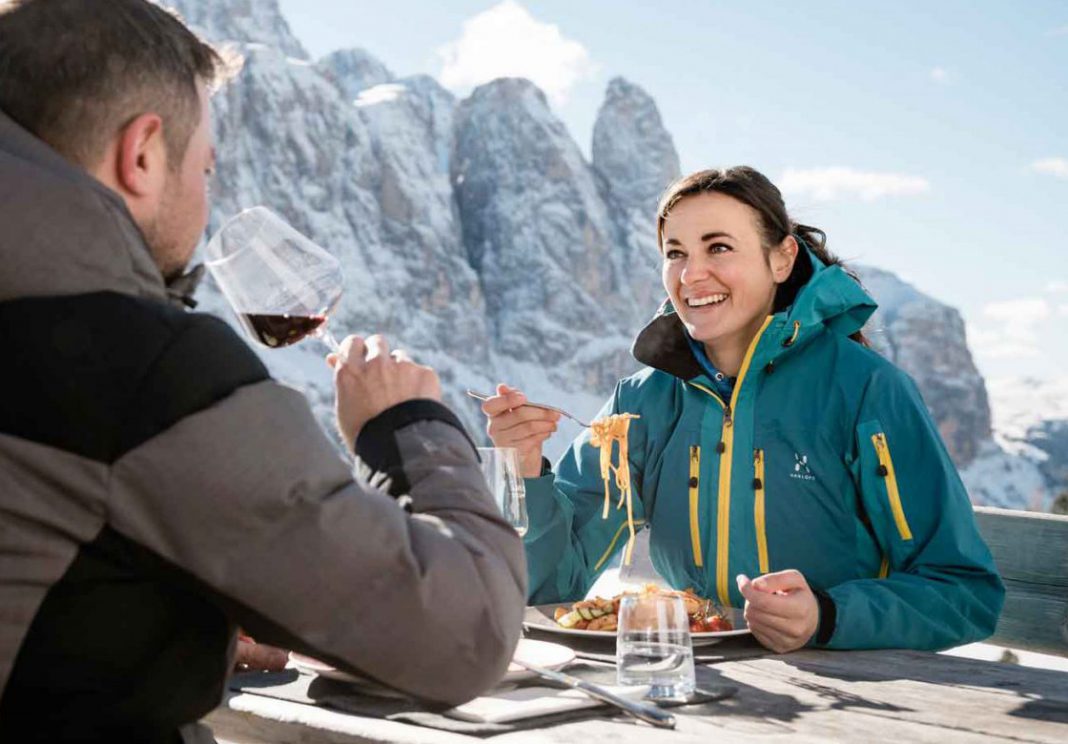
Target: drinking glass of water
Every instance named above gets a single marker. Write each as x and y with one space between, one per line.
500 466
653 645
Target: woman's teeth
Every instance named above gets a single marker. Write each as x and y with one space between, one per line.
709 300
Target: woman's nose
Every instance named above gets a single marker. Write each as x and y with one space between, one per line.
695 270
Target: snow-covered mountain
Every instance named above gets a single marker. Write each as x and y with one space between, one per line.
475 234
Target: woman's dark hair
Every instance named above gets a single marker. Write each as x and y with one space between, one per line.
751 187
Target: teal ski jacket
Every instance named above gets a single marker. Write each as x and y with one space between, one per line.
823 460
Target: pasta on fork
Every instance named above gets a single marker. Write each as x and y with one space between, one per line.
604 432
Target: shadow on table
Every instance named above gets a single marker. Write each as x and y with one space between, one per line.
1045 691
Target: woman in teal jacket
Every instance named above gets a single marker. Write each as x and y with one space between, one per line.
772 443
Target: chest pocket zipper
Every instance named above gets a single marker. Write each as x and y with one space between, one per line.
759 486
886 471
695 501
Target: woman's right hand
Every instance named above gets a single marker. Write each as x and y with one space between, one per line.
513 424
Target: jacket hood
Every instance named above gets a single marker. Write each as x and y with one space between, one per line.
64 232
830 300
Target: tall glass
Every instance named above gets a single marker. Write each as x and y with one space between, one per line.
653 645
500 467
281 285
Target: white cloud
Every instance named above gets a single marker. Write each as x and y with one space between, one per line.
507 41
1053 166
828 184
1062 310
1027 311
1013 328
941 75
1057 286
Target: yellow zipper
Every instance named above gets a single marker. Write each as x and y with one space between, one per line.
758 510
882 449
615 538
723 513
704 389
695 495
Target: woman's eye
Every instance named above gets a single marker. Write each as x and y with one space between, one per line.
673 254
719 248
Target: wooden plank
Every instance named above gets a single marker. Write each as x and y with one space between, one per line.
1031 552
1035 617
1027 546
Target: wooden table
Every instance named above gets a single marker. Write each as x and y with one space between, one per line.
806 696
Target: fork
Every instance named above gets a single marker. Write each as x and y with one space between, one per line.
483 396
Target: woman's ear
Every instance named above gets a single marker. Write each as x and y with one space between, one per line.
783 257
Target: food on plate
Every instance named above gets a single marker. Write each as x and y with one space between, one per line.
603 614
605 431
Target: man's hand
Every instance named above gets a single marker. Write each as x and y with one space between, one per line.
780 609
259 657
373 379
512 424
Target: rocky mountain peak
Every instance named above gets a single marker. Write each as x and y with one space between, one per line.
354 70
632 150
926 338
245 21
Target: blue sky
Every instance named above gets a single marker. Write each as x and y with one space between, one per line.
927 138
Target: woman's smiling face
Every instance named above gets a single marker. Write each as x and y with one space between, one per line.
718 274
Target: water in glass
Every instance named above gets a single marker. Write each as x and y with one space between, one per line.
653 645
500 466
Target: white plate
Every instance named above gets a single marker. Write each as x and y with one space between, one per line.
540 617
541 653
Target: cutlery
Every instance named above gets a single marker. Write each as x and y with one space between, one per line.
483 396
643 711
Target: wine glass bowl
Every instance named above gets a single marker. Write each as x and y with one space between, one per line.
281 285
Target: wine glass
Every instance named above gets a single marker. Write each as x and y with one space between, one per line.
500 467
281 285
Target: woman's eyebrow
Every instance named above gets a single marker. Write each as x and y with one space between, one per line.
704 238
712 235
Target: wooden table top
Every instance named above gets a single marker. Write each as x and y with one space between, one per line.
817 696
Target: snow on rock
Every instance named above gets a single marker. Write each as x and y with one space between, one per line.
540 237
634 158
255 21
354 70
475 234
926 338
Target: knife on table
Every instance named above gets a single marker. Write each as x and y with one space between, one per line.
644 711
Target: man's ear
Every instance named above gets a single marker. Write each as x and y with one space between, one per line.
783 257
141 162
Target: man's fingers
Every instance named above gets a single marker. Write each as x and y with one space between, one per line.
353 349
401 356
377 346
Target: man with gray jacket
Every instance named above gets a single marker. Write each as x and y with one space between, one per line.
157 487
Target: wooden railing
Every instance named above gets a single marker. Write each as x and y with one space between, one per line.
1031 552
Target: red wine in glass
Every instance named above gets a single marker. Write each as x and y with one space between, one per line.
280 284
277 331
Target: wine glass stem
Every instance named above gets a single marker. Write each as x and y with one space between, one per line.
328 338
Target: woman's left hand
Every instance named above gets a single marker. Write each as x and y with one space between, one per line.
780 609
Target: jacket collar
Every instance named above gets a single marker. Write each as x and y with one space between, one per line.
65 232
831 300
